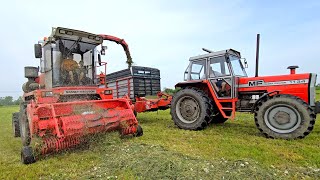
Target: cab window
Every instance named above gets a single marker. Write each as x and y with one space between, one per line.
218 67
198 70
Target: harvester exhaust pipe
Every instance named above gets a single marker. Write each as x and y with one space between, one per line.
257 55
207 50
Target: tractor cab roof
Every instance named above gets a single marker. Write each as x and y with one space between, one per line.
76 35
216 53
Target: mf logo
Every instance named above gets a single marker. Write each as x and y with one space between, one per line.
256 83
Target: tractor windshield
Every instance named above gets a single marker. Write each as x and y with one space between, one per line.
237 66
72 63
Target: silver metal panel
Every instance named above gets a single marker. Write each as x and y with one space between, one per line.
122 88
273 83
216 53
312 89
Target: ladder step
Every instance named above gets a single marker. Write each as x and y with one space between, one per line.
227 108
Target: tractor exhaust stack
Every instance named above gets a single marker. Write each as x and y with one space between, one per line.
257 55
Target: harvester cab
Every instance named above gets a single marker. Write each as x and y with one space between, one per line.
69 100
216 86
69 58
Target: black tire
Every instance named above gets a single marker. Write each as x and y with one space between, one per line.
284 117
139 131
219 119
196 110
15 124
24 128
27 156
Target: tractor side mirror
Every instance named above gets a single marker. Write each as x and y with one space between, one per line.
99 59
37 51
103 50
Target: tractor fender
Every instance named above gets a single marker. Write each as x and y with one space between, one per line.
194 83
260 99
187 83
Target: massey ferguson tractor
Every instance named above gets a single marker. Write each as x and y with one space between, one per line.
216 86
67 101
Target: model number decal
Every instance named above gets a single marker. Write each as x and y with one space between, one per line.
275 83
80 92
255 83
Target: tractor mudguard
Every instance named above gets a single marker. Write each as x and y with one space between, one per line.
262 97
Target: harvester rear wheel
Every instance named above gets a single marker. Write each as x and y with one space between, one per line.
191 109
27 156
24 128
284 117
15 124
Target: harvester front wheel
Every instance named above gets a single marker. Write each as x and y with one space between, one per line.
15 124
139 131
191 109
24 128
27 156
284 117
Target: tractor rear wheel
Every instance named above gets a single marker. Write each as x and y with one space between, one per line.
24 128
27 156
284 117
191 109
15 124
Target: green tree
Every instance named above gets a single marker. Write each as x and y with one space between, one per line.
17 101
8 100
171 91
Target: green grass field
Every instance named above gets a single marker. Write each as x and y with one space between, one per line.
234 150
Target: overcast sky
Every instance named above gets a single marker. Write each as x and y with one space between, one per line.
164 34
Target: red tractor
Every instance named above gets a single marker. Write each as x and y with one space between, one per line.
68 101
217 86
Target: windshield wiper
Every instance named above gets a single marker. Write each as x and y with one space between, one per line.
75 43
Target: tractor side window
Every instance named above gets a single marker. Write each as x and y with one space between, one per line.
186 73
197 70
218 67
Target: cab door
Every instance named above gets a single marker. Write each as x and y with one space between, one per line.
223 85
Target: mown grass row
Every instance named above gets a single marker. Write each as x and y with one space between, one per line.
235 150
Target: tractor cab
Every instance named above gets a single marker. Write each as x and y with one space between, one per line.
220 68
68 58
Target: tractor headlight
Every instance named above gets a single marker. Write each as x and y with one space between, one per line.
61 31
47 94
107 92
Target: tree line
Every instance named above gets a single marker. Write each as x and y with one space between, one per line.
8 100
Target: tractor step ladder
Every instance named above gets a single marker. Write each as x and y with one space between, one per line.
224 109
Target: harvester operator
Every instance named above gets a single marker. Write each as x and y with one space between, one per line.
71 69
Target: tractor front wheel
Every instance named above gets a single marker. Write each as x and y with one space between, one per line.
15 124
27 156
284 117
191 109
